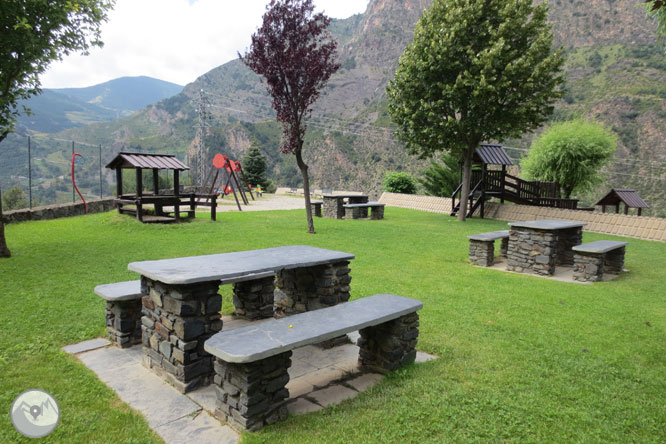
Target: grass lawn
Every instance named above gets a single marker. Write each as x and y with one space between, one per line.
521 359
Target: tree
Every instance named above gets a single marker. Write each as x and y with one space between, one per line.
477 70
571 153
34 33
399 183
254 168
14 199
441 179
657 10
296 55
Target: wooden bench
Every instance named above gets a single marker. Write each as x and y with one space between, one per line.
316 207
594 259
360 210
251 362
482 247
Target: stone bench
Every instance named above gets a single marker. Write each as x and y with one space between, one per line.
316 207
360 210
482 247
594 259
123 306
251 363
123 311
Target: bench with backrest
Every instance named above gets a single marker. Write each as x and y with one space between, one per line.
594 259
360 210
482 247
251 362
316 207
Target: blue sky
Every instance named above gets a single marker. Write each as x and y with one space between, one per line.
173 40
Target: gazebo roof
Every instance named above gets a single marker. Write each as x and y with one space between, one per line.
147 161
492 154
629 197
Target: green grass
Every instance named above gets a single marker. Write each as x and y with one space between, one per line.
521 359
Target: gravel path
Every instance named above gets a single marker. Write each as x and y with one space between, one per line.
267 202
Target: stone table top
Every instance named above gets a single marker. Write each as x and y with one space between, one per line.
120 291
255 342
602 246
344 196
547 224
492 235
367 204
226 266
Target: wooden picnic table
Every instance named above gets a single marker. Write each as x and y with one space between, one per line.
181 303
333 204
539 245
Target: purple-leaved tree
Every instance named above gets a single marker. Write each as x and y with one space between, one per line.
296 55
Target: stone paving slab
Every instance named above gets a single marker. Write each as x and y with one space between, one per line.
562 273
85 346
423 357
334 394
302 406
365 381
205 397
200 429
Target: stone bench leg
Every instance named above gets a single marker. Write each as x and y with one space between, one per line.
251 396
482 252
389 346
532 250
614 261
588 267
566 240
254 299
332 208
317 210
504 247
177 320
123 322
377 213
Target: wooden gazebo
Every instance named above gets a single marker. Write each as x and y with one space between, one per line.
617 196
166 204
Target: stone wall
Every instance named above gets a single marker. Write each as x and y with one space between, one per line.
123 322
59 210
389 346
639 227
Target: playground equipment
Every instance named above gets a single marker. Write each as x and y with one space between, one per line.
75 157
226 172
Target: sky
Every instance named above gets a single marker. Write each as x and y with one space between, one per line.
172 40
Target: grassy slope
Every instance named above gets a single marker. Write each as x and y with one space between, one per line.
511 368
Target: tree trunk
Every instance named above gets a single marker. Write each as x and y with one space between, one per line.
306 189
4 251
467 179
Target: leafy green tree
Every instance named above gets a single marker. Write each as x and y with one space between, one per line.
571 153
34 33
657 10
399 183
441 179
477 70
254 168
14 199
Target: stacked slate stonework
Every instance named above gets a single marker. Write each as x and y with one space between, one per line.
390 345
123 322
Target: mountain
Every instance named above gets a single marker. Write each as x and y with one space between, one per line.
58 109
616 74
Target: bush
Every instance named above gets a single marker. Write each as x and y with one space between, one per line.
399 183
441 179
571 153
14 199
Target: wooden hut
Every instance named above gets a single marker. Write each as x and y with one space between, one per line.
616 196
167 205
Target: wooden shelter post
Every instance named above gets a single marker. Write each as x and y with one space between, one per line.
119 182
156 181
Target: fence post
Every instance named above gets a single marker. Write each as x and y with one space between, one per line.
73 196
29 176
101 191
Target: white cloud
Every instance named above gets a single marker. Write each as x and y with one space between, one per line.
173 40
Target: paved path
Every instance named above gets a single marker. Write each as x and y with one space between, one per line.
265 203
318 378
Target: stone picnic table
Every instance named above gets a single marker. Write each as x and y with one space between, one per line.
333 204
539 245
181 305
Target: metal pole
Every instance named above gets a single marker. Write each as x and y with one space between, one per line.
29 175
73 196
101 191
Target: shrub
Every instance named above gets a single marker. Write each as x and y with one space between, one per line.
399 183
